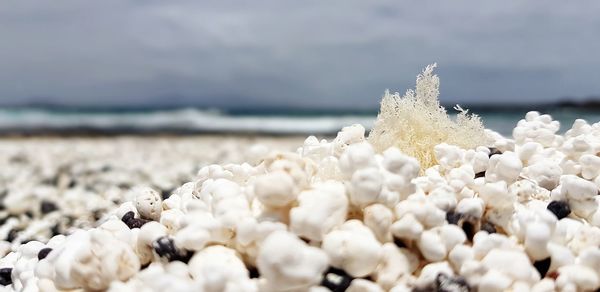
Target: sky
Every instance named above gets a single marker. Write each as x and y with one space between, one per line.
304 54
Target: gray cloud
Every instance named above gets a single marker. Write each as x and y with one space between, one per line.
303 53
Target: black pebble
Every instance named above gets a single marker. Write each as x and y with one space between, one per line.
97 214
253 271
452 217
165 247
136 223
43 253
55 230
132 222
446 283
559 208
494 151
399 242
71 219
542 266
128 216
124 186
468 223
144 266
336 280
165 194
5 276
5 218
489 227
12 234
47 207
480 174
469 229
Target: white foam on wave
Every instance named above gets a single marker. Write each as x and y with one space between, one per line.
176 120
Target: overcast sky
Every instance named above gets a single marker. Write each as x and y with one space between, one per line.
300 53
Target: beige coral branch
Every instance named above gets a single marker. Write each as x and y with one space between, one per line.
416 122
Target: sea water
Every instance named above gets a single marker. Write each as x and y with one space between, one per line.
258 121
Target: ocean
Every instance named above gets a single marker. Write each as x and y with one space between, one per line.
40 120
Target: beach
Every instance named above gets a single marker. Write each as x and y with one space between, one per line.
417 201
85 177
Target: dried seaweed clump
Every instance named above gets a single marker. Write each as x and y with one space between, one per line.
416 122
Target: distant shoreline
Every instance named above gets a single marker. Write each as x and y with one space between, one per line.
108 133
97 122
592 104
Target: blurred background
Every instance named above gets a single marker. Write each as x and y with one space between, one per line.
282 67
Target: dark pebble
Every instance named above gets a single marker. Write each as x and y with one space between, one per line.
43 253
480 174
253 271
12 234
489 227
128 216
336 280
124 186
452 217
55 230
468 223
469 229
165 194
399 242
5 276
132 222
136 223
446 283
165 247
97 214
5 218
542 266
53 181
559 208
47 207
71 219
428 288
494 151
72 184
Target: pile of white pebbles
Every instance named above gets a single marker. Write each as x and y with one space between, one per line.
519 215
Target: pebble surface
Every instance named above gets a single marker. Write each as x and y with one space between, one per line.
519 214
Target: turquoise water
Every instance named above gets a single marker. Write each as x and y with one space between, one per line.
273 121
